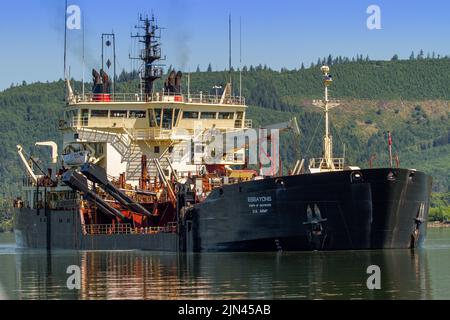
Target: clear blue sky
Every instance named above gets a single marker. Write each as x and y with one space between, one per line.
277 33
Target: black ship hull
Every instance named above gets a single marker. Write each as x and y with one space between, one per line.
349 210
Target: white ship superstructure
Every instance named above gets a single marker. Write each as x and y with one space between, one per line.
116 134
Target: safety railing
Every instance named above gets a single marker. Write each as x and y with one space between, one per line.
338 163
97 122
198 98
110 229
151 134
213 99
106 98
107 229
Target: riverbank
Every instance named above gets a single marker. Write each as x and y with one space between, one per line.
438 224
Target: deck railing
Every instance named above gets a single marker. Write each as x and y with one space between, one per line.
110 229
98 122
199 98
338 163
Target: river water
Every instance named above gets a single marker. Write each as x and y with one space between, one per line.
405 274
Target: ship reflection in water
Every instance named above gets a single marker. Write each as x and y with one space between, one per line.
146 275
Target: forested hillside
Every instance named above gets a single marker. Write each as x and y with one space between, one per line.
410 98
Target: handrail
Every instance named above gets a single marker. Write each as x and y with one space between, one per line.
199 98
338 163
107 229
126 228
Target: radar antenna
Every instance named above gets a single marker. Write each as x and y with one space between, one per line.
326 105
151 53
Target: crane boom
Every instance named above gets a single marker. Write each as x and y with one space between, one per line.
285 126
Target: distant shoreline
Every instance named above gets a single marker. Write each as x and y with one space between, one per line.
437 224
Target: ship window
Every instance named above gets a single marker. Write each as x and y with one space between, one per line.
240 115
175 117
118 114
71 115
152 118
208 115
99 113
158 117
157 150
167 119
226 115
138 114
190 115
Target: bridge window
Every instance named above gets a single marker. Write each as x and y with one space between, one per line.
167 119
118 114
158 113
209 115
152 118
138 114
99 113
226 115
175 117
190 115
73 114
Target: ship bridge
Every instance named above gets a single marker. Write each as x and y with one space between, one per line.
116 130
157 113
121 131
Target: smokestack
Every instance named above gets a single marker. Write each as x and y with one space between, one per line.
105 80
96 77
178 82
173 82
172 78
97 81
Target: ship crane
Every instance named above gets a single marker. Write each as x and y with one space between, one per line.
27 166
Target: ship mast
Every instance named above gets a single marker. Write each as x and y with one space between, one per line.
327 163
150 53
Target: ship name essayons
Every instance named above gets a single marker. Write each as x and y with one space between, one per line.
259 199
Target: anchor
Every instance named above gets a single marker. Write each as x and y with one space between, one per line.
316 233
418 221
